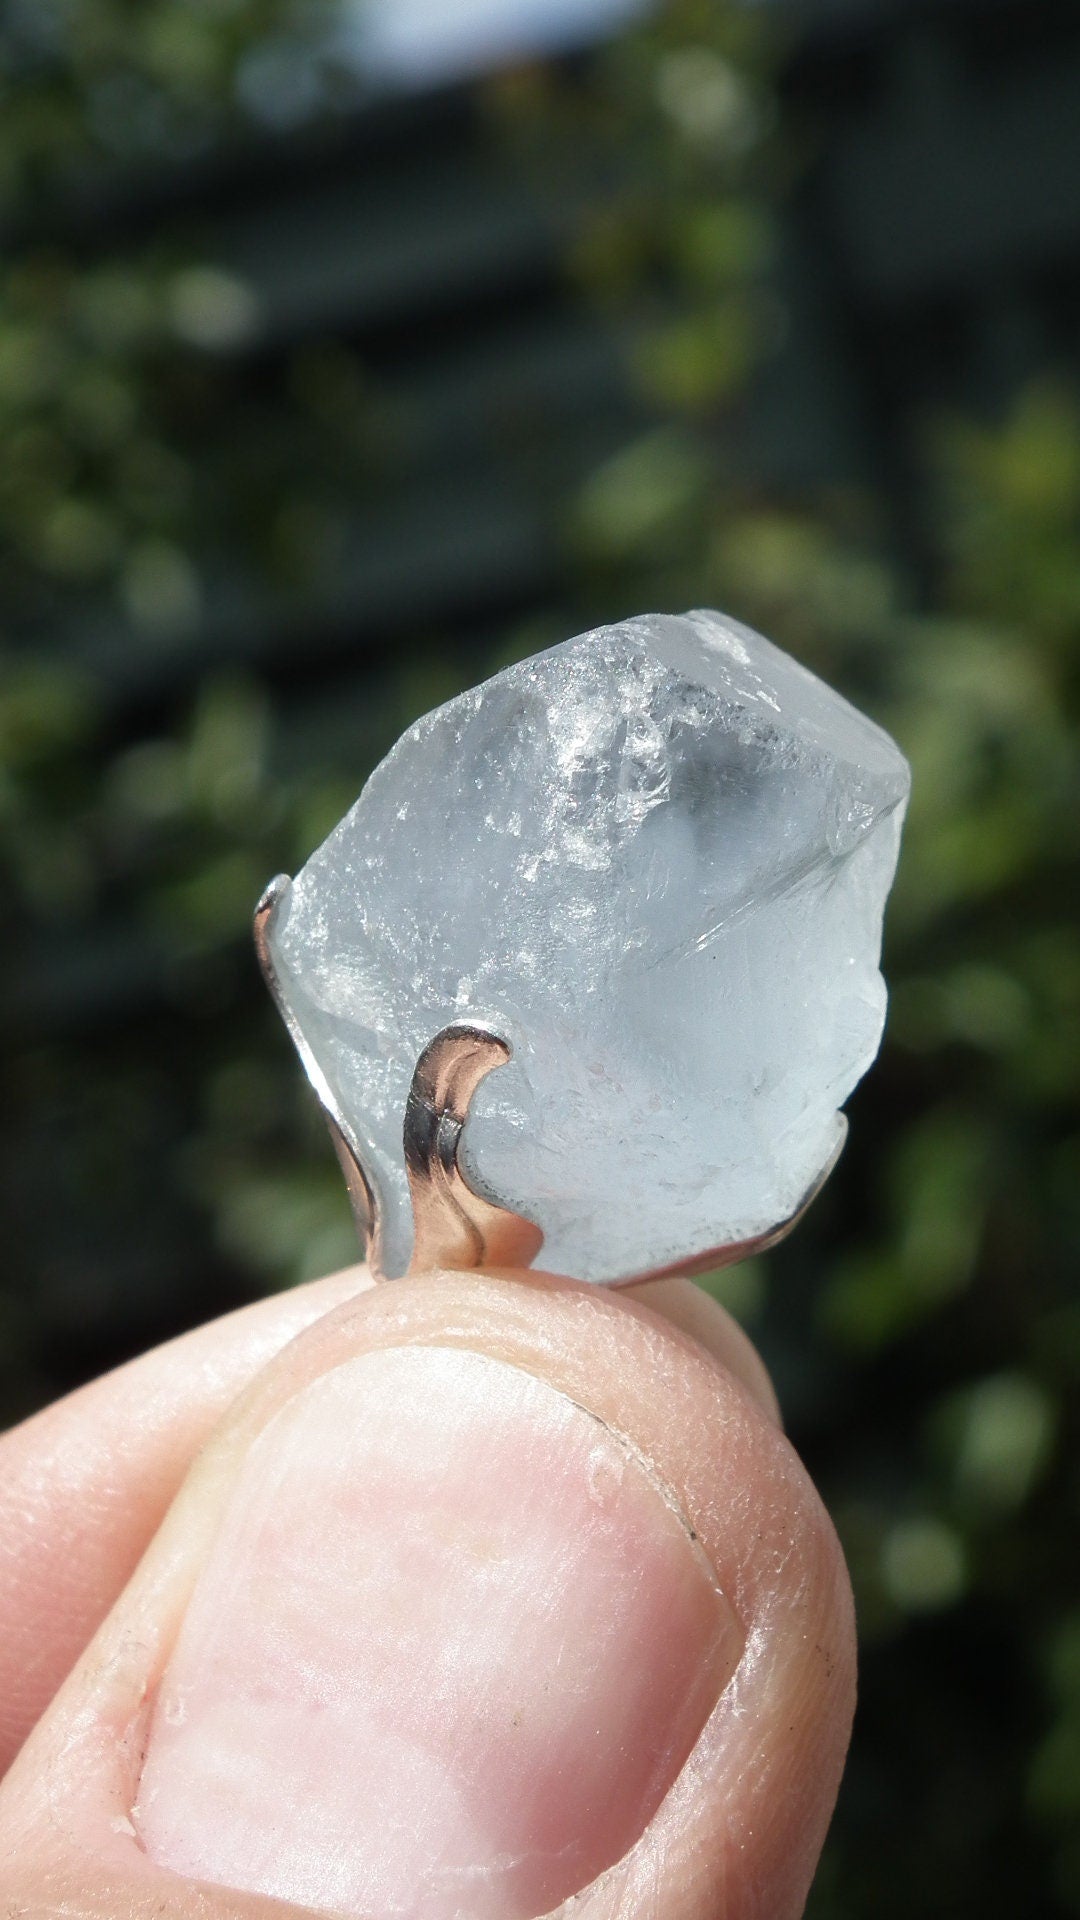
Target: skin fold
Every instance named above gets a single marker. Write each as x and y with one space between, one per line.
111 1504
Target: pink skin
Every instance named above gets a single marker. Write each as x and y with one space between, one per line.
358 1596
85 1484
530 1646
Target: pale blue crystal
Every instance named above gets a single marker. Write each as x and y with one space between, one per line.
655 860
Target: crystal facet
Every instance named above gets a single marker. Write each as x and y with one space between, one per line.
653 860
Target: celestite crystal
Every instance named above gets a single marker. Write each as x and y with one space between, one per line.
655 860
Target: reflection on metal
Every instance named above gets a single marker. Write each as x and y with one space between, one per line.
361 1196
736 1250
453 1226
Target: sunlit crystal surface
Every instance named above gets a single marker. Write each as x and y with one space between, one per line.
655 860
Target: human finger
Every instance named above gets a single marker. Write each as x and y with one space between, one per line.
490 1591
85 1484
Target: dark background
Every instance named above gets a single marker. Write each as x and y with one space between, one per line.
321 398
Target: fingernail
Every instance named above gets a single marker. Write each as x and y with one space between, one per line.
449 1650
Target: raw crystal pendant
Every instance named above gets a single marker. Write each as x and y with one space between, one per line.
592 964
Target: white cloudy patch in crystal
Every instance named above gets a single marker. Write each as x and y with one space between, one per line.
655 860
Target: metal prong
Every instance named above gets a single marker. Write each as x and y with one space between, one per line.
361 1196
452 1225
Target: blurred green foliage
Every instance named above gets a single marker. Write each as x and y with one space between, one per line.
88 88
119 371
925 1324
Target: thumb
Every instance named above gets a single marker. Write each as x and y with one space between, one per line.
491 1591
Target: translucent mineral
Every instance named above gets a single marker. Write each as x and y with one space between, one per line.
654 860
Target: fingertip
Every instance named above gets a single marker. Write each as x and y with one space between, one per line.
697 1314
737 1830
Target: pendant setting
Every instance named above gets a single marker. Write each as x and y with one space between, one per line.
590 967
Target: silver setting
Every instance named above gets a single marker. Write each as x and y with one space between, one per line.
453 1226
